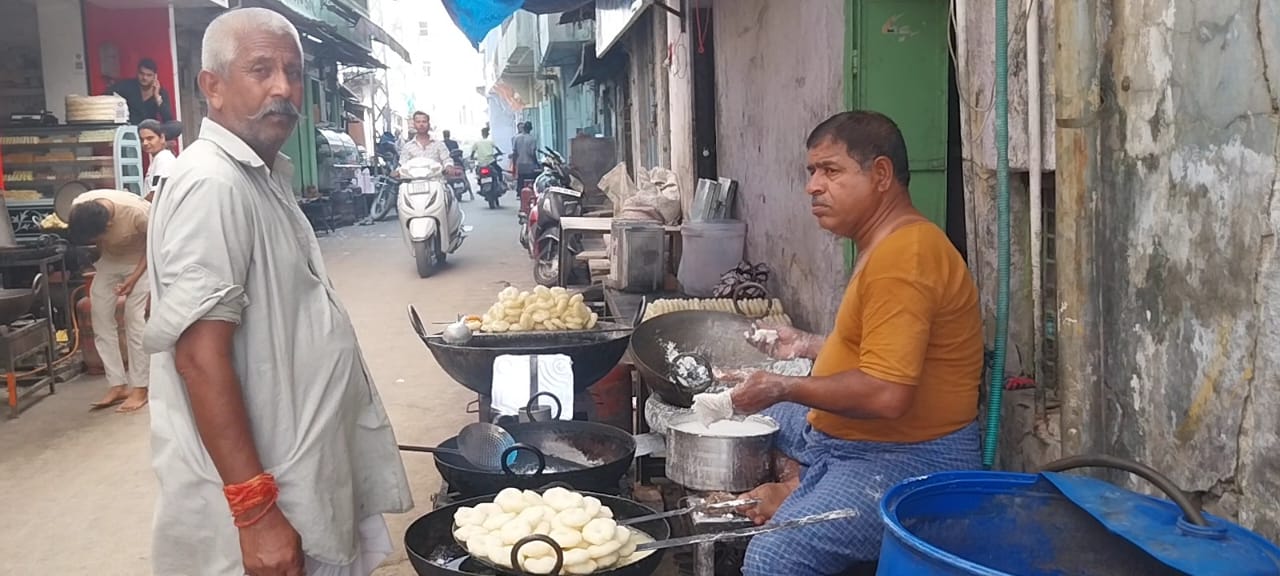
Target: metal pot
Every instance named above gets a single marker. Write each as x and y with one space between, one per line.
719 463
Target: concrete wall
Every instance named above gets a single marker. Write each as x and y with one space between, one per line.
62 53
778 74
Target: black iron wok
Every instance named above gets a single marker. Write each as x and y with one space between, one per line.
606 451
594 352
719 337
16 302
433 552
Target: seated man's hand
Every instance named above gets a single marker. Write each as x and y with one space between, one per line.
761 390
784 342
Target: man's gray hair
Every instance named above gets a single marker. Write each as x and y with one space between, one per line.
219 46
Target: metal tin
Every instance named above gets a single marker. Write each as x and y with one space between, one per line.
719 463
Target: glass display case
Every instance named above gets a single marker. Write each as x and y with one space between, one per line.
39 160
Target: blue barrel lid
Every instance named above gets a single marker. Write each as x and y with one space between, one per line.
1158 527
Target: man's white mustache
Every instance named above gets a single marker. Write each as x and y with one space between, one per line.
280 107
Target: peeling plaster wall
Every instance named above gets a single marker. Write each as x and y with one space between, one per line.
778 74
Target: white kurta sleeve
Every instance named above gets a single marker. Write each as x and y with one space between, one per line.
202 261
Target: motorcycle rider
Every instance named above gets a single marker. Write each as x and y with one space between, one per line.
423 146
455 152
485 153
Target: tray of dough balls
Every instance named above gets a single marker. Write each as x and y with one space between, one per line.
561 531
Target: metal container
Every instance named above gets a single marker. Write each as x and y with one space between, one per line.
719 463
640 257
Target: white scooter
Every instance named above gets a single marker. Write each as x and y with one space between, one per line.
430 218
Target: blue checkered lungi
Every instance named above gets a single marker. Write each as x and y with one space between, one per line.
839 474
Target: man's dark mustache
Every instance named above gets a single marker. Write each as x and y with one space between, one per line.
278 108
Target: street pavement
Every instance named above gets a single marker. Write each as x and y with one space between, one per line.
78 488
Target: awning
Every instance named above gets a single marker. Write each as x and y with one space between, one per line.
592 68
476 18
366 27
326 40
615 17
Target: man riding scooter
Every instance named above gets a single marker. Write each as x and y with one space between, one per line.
458 181
484 156
431 220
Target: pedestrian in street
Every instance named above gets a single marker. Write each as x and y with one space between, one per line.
116 221
155 141
273 452
524 154
147 99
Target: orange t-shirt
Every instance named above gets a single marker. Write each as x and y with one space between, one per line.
910 316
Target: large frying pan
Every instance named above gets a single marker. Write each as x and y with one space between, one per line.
607 453
433 552
719 337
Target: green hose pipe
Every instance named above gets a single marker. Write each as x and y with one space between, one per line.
996 390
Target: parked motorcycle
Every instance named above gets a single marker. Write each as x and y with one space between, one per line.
557 194
431 219
489 179
457 181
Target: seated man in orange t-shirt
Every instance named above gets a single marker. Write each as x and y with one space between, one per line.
894 389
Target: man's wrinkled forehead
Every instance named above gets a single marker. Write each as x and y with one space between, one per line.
267 47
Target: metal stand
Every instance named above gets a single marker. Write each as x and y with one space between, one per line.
18 342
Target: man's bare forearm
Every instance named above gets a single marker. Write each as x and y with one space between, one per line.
852 394
203 357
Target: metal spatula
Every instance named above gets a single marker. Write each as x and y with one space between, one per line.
745 532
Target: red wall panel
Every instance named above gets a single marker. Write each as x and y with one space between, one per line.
134 33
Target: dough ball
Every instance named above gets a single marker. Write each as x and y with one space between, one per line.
562 499
496 521
531 498
532 515
623 535
587 567
479 544
607 560
537 549
628 549
574 518
599 531
605 512
576 556
488 509
538 565
543 527
500 555
599 551
592 505
511 500
515 530
566 538
468 517
466 532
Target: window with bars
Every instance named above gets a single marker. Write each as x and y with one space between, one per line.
423 28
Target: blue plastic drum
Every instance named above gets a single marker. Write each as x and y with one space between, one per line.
1051 524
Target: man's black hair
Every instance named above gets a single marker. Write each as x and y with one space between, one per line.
154 126
484 132
866 135
421 113
88 221
445 134
148 64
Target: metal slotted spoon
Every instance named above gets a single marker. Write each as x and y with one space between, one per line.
482 444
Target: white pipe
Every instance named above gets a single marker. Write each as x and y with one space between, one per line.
1034 165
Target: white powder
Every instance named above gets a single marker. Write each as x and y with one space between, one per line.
762 336
751 426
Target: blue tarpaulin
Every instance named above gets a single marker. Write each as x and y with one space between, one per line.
477 17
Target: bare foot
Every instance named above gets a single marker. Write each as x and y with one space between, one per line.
115 395
771 497
137 399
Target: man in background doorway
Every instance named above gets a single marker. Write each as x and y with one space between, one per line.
147 99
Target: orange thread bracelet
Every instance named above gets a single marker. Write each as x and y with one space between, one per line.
259 516
250 494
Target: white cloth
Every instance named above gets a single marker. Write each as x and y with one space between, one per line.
713 407
161 164
374 547
228 242
511 390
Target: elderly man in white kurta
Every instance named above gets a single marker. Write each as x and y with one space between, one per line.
273 452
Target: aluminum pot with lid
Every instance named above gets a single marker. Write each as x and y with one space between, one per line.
733 460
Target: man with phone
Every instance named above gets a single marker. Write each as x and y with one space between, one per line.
146 98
